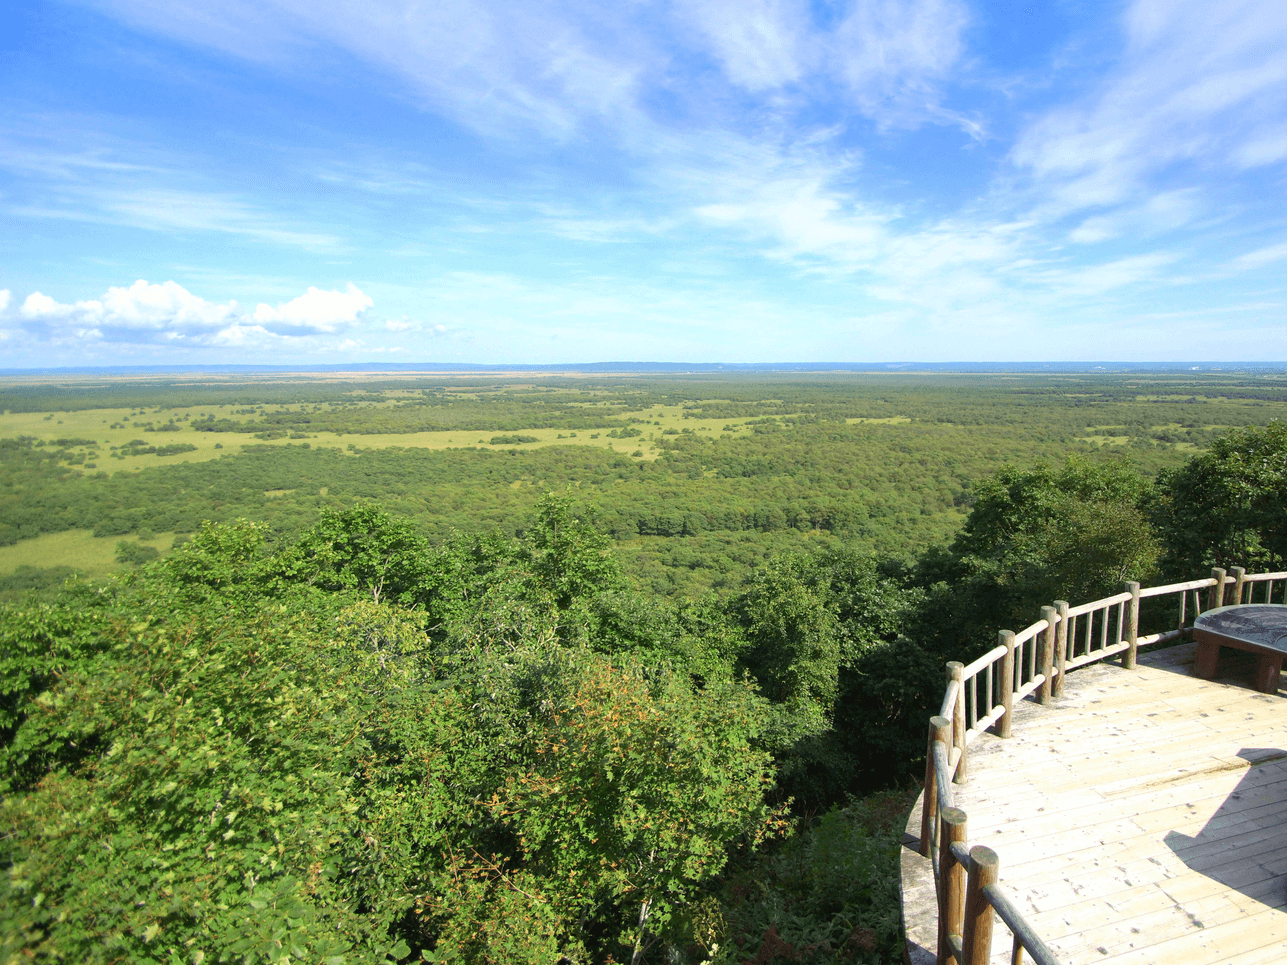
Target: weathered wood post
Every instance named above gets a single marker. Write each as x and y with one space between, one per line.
1006 639
976 942
1133 627
1061 646
1239 580
1217 591
938 731
951 902
1047 652
956 671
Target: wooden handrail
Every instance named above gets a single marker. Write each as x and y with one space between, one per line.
965 910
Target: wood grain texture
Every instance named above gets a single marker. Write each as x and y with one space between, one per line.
1141 817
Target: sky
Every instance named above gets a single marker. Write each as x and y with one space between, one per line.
309 182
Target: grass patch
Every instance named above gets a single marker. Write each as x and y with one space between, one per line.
112 431
78 549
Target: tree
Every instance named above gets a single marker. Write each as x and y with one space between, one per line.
1033 536
257 769
794 646
570 557
1227 507
364 549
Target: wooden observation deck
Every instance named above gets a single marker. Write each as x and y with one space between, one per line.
1138 816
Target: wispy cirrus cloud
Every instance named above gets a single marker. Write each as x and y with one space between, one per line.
550 68
72 171
1198 84
1261 257
589 162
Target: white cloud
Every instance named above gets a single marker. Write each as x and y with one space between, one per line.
1261 257
1263 148
1197 83
761 44
5 296
83 174
170 314
168 308
541 64
315 312
1163 212
893 50
554 67
37 305
407 325
1096 279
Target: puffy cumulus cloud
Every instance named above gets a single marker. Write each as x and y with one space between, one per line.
169 314
316 312
38 305
140 313
168 306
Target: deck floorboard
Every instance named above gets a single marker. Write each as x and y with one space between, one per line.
1140 818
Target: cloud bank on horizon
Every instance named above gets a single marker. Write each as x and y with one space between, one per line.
699 180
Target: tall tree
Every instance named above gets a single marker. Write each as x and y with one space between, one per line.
1228 506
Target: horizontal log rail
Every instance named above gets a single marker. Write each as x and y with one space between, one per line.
980 696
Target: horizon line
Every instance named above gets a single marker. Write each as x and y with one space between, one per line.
646 367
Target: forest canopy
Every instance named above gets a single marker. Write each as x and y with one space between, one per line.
340 733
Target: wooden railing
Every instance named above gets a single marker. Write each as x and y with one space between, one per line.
981 695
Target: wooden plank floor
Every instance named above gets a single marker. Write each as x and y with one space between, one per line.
1142 818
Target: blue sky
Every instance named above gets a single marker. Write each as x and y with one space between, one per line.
297 181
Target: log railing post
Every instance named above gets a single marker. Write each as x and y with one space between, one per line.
1047 652
1006 639
1061 646
938 731
951 902
976 940
1239 580
1217 591
956 671
1133 627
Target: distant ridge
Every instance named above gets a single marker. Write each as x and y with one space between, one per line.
666 368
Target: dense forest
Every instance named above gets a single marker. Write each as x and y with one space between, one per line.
655 696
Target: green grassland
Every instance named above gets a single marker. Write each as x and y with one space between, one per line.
114 428
79 549
698 478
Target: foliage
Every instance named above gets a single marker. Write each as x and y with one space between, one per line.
363 549
1075 533
698 512
1228 506
135 554
218 759
828 894
423 706
794 644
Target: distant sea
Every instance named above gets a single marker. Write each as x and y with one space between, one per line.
667 368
